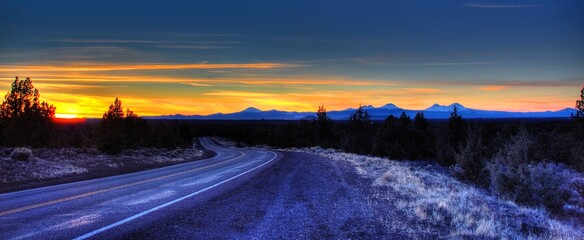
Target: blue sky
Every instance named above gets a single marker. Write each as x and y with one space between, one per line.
507 55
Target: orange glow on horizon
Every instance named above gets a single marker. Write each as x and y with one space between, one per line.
87 91
69 120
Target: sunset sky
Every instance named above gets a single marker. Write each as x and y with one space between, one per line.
202 57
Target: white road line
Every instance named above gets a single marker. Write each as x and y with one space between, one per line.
105 228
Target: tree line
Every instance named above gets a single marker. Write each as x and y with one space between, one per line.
25 121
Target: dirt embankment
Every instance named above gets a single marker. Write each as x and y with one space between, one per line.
54 166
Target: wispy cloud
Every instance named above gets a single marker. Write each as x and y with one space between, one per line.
493 88
238 94
78 54
284 82
195 46
142 41
266 81
513 83
495 6
60 86
109 41
199 84
122 67
385 61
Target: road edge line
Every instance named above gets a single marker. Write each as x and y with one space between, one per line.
128 219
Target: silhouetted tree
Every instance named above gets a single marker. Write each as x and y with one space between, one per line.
135 129
420 122
358 139
116 111
324 131
400 138
423 138
24 119
580 106
470 162
455 137
117 131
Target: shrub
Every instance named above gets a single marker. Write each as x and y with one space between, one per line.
515 178
506 169
575 203
470 164
21 154
546 186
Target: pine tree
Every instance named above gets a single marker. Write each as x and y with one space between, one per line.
456 137
359 138
580 106
25 120
324 132
117 131
116 111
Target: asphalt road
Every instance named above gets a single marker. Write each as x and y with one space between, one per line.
114 206
301 196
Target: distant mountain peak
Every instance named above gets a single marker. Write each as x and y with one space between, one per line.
389 106
458 106
251 110
443 108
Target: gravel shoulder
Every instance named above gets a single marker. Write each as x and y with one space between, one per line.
302 196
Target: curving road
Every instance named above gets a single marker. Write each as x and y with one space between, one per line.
110 207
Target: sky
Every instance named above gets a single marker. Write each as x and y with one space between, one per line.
203 57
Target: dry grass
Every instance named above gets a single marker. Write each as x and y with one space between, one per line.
430 197
57 163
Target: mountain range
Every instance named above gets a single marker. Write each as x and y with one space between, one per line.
435 111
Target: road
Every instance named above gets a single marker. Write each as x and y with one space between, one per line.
110 207
302 196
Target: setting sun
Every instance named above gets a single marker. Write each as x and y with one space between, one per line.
65 115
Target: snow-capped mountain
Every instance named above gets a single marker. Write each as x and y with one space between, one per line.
435 111
443 108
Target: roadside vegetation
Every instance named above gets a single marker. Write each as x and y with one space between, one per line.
429 200
34 146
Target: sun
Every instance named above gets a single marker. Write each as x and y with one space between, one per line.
65 115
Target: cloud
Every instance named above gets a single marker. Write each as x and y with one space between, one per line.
60 86
238 94
290 82
422 90
141 41
493 88
109 41
128 67
78 54
203 45
513 83
200 84
200 47
501 6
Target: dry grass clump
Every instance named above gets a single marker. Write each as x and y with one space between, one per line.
435 201
21 154
56 163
